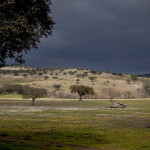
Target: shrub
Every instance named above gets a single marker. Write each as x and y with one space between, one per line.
12 88
119 74
92 79
77 80
46 77
93 71
71 73
40 74
99 72
107 71
57 86
45 71
55 77
16 74
134 77
64 73
25 75
83 75
128 81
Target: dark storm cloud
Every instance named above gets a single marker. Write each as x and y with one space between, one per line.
99 34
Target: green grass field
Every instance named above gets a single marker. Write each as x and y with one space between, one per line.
73 125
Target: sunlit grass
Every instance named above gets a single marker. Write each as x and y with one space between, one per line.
18 97
67 125
11 96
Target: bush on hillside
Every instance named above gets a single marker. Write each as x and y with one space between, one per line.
12 88
99 72
128 81
92 78
134 77
77 81
57 86
71 72
83 75
40 74
25 75
46 77
55 77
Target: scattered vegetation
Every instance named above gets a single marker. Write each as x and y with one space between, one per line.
128 81
33 93
117 74
11 88
57 86
134 77
82 90
46 77
38 78
92 78
78 81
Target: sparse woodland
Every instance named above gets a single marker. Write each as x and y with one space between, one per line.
57 82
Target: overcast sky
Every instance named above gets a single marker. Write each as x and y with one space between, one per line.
98 34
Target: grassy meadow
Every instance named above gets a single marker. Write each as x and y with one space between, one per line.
73 125
60 122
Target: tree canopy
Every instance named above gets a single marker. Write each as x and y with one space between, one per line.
30 92
22 24
82 90
92 79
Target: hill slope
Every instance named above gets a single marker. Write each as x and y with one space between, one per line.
105 84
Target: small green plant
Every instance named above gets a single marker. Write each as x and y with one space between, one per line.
78 81
46 77
25 75
128 81
71 72
16 74
93 71
83 75
57 86
107 71
64 73
99 72
55 77
92 79
40 74
134 77
107 81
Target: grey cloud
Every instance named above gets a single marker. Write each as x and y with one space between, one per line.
100 34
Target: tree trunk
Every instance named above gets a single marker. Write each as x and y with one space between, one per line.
33 101
80 98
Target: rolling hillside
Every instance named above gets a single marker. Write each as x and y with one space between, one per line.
104 84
